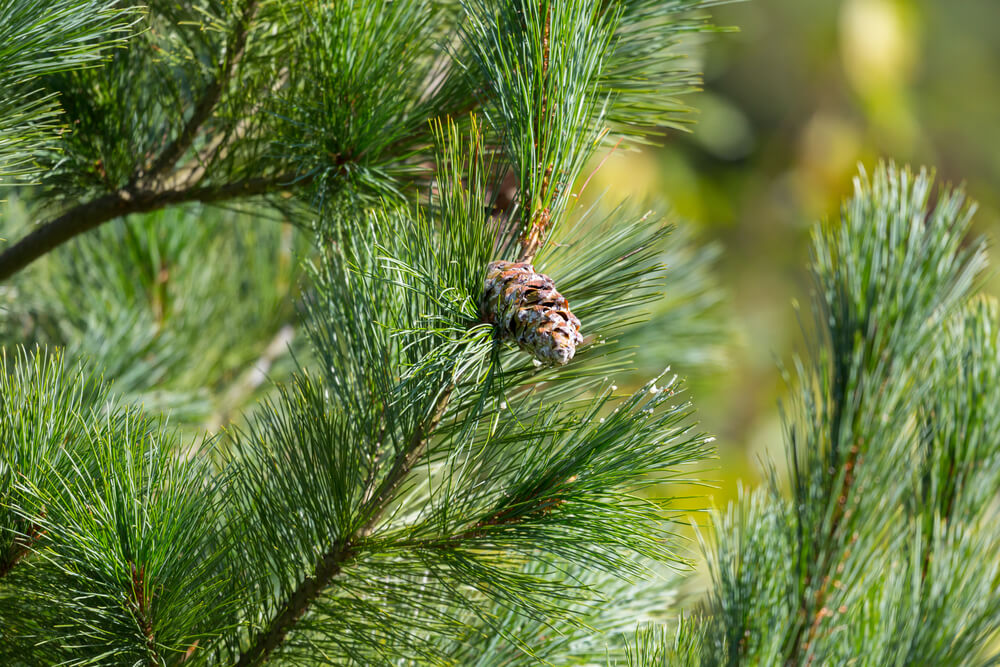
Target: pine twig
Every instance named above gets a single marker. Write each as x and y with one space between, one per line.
18 552
217 148
332 562
21 548
149 190
481 529
404 462
531 241
265 643
800 643
139 606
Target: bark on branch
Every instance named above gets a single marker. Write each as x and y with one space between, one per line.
20 548
298 602
96 212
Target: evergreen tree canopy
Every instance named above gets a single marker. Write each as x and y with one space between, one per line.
417 488
266 396
879 548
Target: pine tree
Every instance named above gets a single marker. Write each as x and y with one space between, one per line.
879 546
434 475
268 395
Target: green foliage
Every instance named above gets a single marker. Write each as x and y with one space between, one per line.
448 521
417 490
646 70
679 297
413 489
109 550
541 63
38 40
124 566
368 76
602 633
184 310
881 551
214 101
42 407
124 114
205 97
557 74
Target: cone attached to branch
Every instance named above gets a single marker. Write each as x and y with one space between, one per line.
526 308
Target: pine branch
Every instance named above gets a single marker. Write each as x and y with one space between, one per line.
900 369
94 213
139 606
129 571
217 148
166 176
41 400
404 462
142 196
328 567
817 610
359 567
20 547
331 563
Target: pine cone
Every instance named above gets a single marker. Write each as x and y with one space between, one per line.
526 308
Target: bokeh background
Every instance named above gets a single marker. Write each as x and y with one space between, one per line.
794 99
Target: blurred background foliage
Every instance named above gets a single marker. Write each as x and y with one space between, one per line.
190 311
793 100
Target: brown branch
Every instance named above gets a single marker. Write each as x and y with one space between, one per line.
218 147
150 190
533 237
96 212
403 463
235 48
332 562
840 512
20 548
139 606
17 552
153 188
508 516
298 602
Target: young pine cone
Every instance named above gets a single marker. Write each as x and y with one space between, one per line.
526 308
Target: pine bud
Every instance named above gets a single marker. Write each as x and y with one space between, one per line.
527 308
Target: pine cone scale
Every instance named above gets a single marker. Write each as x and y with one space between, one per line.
527 309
